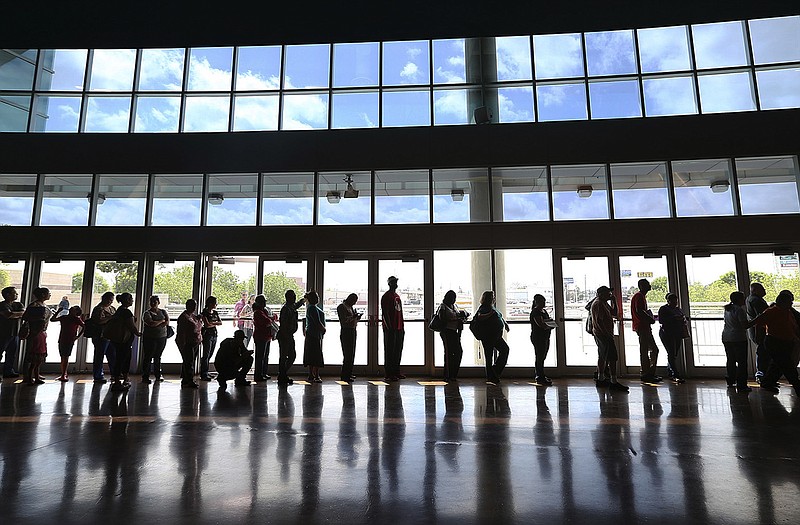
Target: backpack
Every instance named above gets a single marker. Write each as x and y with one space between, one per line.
92 329
115 330
589 327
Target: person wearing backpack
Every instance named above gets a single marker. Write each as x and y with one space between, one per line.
120 330
453 319
489 330
603 313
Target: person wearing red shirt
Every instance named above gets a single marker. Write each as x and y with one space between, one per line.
263 333
71 329
643 321
393 331
782 334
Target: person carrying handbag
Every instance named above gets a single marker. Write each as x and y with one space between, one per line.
451 320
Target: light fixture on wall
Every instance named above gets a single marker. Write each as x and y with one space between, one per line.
215 199
101 198
584 192
720 186
350 192
333 197
457 195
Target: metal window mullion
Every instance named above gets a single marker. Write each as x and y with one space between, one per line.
37 200
372 203
148 206
752 64
609 192
673 210
737 205
490 193
281 93
430 194
187 56
315 218
34 101
93 200
260 199
586 77
533 81
330 86
550 205
380 84
84 92
134 99
204 203
638 70
232 100
431 117
693 70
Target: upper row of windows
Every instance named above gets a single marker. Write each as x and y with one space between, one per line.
686 188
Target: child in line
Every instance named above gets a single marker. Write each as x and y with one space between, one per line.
72 326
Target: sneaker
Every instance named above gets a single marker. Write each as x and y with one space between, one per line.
678 380
285 381
618 387
63 379
12 375
205 378
242 382
401 376
38 381
317 380
223 385
743 389
543 380
101 381
602 383
770 388
160 379
346 379
658 379
265 377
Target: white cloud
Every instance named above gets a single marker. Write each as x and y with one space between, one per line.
112 69
305 111
513 58
250 81
410 71
367 120
451 103
509 112
256 113
413 52
162 69
204 77
558 56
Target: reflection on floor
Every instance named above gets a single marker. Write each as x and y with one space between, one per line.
406 453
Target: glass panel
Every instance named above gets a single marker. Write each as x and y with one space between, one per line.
161 69
176 200
121 200
513 57
401 197
11 274
62 70
57 114
610 53
406 108
669 96
355 110
640 190
581 279
561 102
726 93
524 194
280 276
256 113
469 274
16 199
107 114
450 107
210 69
775 39
618 99
112 70
14 111
173 283
779 88
16 72
232 199
157 114
516 286
702 187
342 279
355 64
411 289
206 113
461 195
449 66
344 198
288 198
63 279
768 185
775 273
515 104
579 192
258 68
305 111
664 49
631 269
65 200
307 66
711 281
406 63
232 278
558 56
721 44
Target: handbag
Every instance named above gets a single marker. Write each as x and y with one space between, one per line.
170 331
24 330
115 330
273 330
437 324
685 334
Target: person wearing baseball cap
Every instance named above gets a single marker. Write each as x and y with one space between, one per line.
393 331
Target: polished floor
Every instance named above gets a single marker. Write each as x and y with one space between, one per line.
404 453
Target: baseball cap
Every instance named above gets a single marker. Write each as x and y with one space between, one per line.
604 288
392 278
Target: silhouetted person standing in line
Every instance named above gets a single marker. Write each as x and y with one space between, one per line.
101 314
348 320
490 333
672 332
603 318
734 339
188 337
286 344
10 313
755 306
541 327
782 334
453 318
643 321
393 331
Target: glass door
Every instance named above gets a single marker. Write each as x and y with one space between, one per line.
341 277
277 276
174 281
65 280
580 280
410 275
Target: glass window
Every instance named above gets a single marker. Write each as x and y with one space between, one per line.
210 69
121 200
232 199
580 280
157 114
406 108
232 279
727 92
524 194
617 99
561 102
461 195
65 200
305 111
177 200
62 70
406 63
344 198
355 64
206 113
779 88
450 107
514 104
513 57
288 198
775 39
112 69
720 44
702 187
11 274
107 114
161 69
449 65
256 112
610 53
579 192
64 278
355 110
307 66
279 276
57 114
411 289
669 96
16 199
14 111
258 68
340 280
173 283
664 49
768 185
558 56
401 197
640 190
775 273
16 71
